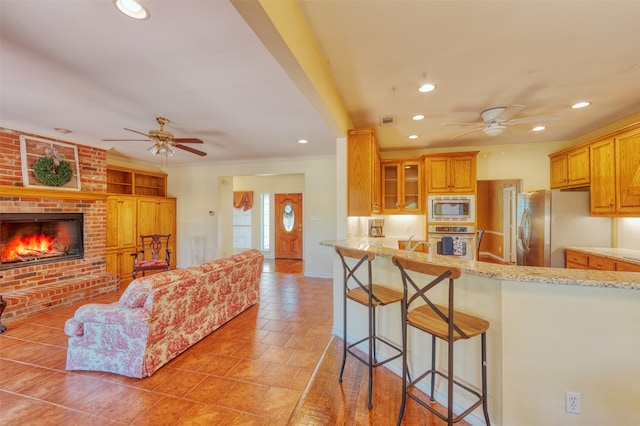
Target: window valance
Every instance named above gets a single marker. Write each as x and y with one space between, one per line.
243 200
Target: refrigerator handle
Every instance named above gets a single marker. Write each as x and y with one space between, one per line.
524 230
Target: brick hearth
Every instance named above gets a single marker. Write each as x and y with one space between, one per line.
44 287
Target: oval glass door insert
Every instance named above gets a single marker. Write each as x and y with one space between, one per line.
288 217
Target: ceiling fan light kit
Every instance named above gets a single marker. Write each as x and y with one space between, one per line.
493 130
160 149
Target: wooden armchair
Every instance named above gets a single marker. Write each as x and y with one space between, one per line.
148 257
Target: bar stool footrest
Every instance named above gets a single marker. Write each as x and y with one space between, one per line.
420 401
375 363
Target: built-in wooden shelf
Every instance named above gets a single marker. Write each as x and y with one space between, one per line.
126 181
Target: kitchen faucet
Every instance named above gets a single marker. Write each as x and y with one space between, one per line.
427 244
409 249
407 246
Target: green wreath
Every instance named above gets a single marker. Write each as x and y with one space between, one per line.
48 173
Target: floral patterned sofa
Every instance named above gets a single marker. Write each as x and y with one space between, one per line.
159 316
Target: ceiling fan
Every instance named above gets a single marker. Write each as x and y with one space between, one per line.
164 140
496 120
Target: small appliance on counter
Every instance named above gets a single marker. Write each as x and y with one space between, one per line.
376 227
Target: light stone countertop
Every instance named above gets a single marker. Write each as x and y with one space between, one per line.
543 275
625 255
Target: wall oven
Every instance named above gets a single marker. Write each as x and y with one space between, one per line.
451 208
458 241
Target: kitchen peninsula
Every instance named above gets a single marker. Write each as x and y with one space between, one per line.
553 330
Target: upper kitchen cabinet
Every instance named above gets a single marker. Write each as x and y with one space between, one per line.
451 173
570 168
363 173
402 187
602 199
627 169
614 171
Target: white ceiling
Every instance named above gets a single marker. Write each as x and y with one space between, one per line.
82 65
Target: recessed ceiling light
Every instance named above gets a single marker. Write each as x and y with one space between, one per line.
538 128
413 137
132 9
580 105
303 141
417 117
426 88
62 130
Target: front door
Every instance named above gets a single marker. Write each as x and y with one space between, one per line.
288 226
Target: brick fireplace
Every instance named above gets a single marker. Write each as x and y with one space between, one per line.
46 285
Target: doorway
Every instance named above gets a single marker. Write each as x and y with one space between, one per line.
288 226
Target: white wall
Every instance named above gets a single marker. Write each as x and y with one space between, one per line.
202 237
629 233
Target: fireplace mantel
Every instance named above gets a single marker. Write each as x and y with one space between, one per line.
20 191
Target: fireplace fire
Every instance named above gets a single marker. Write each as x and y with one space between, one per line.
33 238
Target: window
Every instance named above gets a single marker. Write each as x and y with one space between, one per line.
241 229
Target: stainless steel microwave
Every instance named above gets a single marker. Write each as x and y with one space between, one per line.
454 208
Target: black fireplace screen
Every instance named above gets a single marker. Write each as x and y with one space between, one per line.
32 238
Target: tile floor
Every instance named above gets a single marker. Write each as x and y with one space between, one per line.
251 371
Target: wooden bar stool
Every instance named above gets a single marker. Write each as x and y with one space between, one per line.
372 296
433 319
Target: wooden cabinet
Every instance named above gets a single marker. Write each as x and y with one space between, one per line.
121 235
570 169
402 187
120 262
363 173
601 263
627 267
627 172
125 181
121 221
615 175
602 198
451 173
579 260
158 216
129 216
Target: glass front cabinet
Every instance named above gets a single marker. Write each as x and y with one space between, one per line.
402 187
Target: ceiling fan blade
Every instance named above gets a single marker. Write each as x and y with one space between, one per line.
187 140
536 119
135 131
463 124
509 112
191 150
465 133
132 140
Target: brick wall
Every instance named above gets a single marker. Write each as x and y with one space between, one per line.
46 286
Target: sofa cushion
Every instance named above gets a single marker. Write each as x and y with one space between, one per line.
138 290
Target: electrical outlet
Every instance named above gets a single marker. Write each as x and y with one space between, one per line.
572 402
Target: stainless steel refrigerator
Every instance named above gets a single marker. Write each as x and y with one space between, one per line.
549 221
